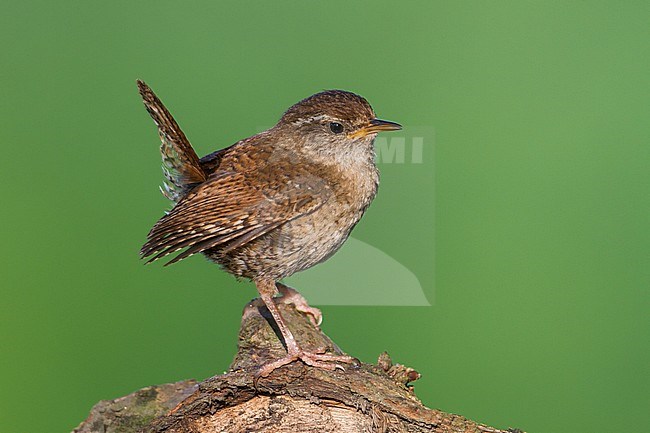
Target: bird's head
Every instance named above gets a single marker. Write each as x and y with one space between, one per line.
334 121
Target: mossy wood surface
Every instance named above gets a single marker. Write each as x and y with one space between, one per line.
294 398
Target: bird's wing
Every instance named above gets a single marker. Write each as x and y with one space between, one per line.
232 209
180 163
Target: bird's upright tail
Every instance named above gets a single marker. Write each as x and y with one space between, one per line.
180 163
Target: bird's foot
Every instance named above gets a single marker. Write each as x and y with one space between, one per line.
319 359
291 296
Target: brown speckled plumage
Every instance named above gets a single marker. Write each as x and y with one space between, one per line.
272 204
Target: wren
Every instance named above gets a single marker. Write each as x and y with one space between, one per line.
272 204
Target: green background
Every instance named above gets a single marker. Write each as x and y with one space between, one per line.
526 223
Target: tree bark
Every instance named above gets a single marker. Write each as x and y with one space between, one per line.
294 398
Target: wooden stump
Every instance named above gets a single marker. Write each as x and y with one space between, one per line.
294 398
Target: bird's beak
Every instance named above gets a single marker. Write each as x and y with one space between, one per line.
375 125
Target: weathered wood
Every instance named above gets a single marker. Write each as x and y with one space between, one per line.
135 411
294 398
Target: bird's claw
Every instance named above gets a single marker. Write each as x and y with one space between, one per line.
291 296
325 361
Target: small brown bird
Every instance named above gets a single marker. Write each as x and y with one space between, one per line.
272 204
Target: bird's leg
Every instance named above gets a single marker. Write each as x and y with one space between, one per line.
267 289
291 296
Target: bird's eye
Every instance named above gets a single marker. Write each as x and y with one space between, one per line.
336 127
